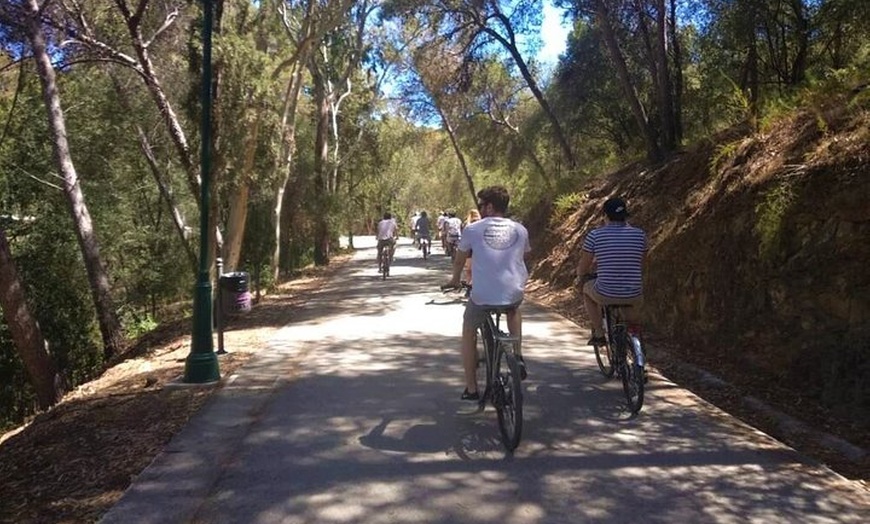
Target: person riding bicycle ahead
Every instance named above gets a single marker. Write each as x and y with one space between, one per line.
618 250
499 245
422 231
452 229
413 227
388 232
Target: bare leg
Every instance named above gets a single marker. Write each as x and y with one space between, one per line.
469 357
593 311
515 328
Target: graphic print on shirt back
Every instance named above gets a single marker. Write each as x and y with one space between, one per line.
500 235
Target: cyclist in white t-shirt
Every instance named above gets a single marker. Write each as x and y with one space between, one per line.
499 245
440 229
388 233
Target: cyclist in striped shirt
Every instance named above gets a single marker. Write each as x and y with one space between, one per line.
616 251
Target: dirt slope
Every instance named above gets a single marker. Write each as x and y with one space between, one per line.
758 262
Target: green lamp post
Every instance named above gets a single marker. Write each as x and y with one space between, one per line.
201 365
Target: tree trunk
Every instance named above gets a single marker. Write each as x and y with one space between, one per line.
802 34
663 82
285 165
678 74
158 94
321 160
159 178
26 335
511 45
454 141
110 328
238 215
654 153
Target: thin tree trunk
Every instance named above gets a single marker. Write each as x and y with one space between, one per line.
654 153
158 94
288 146
110 327
461 157
238 214
663 82
802 33
511 45
321 160
26 335
678 74
162 185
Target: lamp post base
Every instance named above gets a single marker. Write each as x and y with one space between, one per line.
200 368
201 364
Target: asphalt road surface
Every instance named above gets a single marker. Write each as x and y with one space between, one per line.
353 416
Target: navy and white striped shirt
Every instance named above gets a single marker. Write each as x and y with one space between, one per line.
618 249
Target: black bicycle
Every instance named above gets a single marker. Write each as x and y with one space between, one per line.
425 246
497 351
385 260
623 354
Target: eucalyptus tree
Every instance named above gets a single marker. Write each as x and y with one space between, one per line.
432 74
771 47
590 99
339 55
28 16
248 112
306 23
144 38
484 27
498 112
125 35
640 38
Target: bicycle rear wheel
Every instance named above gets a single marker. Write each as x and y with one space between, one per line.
632 375
604 357
484 359
508 399
385 263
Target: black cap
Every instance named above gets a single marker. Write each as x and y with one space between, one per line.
615 208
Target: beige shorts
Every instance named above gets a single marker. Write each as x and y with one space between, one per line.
636 303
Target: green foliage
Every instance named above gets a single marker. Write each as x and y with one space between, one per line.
135 324
770 213
723 152
566 204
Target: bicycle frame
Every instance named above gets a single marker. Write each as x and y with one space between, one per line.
501 391
627 352
503 387
385 260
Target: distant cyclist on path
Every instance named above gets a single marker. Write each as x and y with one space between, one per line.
388 233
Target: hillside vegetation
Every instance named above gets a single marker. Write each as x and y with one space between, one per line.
758 254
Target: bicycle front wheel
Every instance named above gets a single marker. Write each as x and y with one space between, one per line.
604 357
508 399
632 376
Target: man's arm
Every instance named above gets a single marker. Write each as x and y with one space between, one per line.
587 263
458 266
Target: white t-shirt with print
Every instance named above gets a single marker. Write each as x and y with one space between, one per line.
387 228
498 247
453 226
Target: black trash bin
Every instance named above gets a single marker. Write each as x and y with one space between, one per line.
235 293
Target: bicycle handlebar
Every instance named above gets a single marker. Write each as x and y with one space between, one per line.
462 285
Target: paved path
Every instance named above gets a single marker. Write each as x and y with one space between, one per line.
351 417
